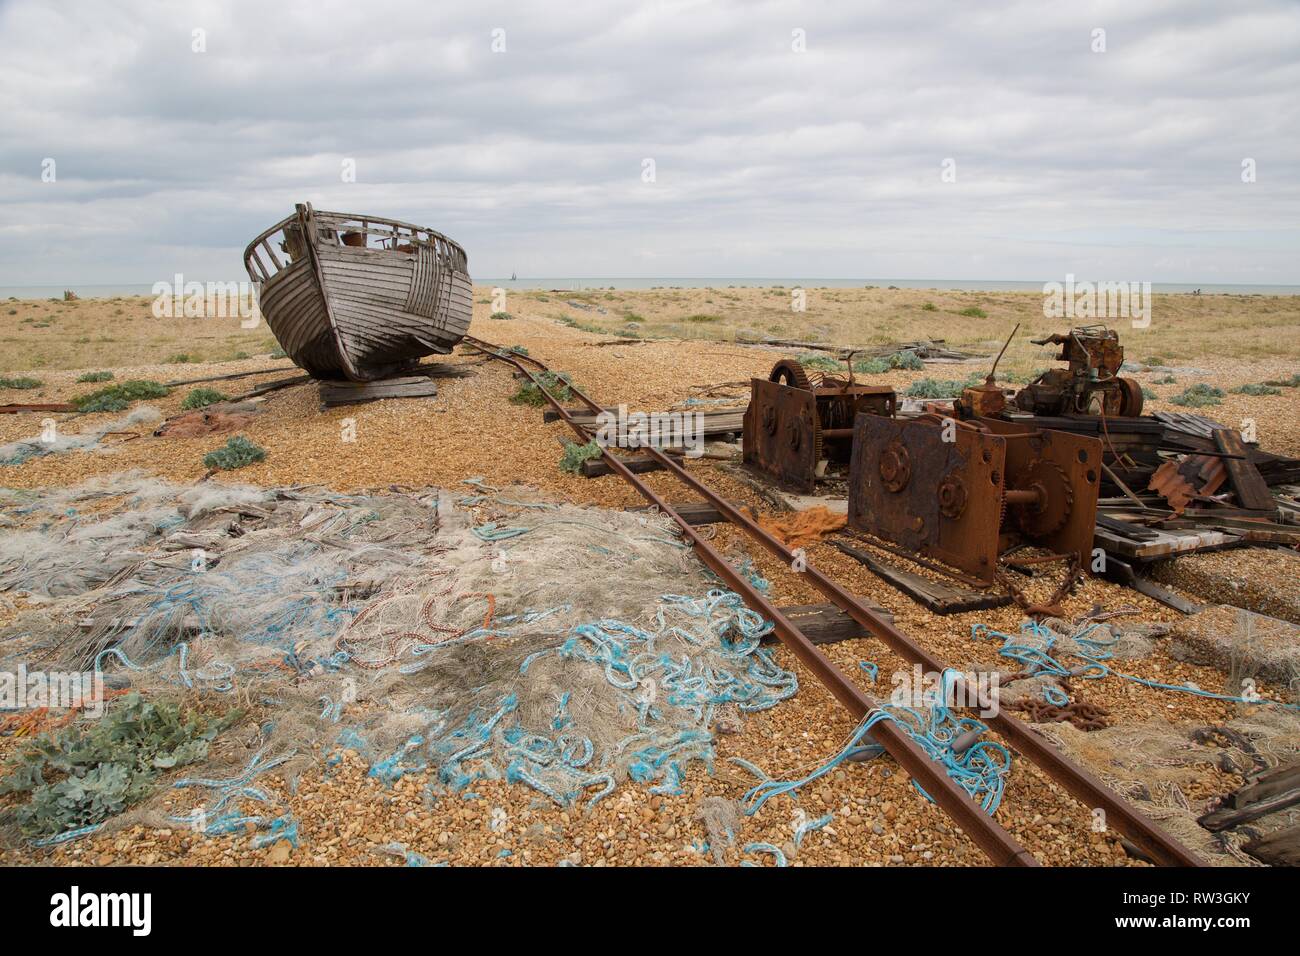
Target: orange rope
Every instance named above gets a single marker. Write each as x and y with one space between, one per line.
31 723
491 604
803 527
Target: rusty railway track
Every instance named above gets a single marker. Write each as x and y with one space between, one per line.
1000 846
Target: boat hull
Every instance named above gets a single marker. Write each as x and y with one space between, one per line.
358 312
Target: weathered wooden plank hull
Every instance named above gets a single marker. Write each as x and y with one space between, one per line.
345 311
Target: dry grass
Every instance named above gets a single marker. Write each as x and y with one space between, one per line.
91 333
103 333
443 440
1184 328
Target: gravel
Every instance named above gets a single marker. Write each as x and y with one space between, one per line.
470 429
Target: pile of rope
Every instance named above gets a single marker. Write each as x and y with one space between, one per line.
802 528
658 686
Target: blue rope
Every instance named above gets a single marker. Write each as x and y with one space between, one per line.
563 764
67 835
980 770
332 710
490 532
765 848
807 826
409 857
281 828
1038 661
114 652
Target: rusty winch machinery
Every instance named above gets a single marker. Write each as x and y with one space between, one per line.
964 492
961 488
799 425
1090 384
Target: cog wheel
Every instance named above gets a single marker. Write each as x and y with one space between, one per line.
1056 499
790 372
952 496
895 466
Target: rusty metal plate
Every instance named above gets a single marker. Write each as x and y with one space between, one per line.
939 498
1068 461
1181 481
781 433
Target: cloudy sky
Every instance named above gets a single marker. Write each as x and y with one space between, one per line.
788 139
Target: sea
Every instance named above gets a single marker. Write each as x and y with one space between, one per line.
92 290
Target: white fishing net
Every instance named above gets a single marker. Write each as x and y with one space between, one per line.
482 633
54 441
1155 763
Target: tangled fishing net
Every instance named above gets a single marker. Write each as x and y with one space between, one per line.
1155 763
56 443
448 632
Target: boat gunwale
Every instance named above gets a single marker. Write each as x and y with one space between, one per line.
433 234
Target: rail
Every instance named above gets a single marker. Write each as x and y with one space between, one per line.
997 844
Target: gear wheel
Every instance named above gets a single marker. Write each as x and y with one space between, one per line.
792 373
1056 499
895 466
952 496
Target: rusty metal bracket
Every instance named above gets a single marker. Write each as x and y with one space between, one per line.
930 488
781 433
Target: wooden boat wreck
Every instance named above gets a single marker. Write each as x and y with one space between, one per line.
359 297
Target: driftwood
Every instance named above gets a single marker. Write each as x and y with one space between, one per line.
47 407
1271 791
1123 573
271 387
223 378
352 393
1245 478
1276 849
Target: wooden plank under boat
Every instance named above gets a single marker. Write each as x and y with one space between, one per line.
359 297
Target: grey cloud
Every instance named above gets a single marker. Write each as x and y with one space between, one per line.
1124 164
